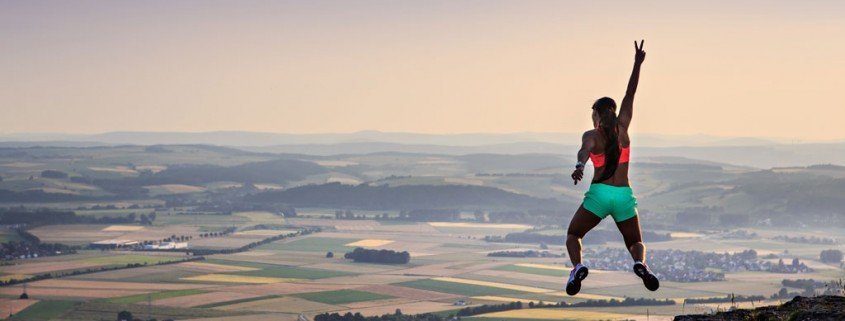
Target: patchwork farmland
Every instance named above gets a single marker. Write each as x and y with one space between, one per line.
294 276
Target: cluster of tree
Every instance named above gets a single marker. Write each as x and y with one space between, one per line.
127 316
39 196
831 256
724 299
99 207
398 316
620 303
489 308
806 240
594 237
57 275
30 246
227 231
405 197
527 253
225 204
808 285
360 254
23 216
54 174
738 235
802 283
179 238
145 219
255 244
795 267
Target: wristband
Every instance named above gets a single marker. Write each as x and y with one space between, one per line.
579 165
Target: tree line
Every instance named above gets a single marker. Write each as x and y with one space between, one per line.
360 254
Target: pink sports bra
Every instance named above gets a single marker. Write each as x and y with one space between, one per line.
624 157
624 154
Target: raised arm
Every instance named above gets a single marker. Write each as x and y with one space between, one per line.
587 143
626 112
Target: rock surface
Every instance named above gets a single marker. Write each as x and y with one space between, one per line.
821 308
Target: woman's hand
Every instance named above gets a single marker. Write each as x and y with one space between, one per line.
577 175
639 55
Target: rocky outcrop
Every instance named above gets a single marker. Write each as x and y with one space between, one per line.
821 308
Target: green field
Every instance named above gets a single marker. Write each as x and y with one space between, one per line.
220 304
104 310
280 271
154 296
456 288
131 259
313 244
342 296
8 236
45 310
532 270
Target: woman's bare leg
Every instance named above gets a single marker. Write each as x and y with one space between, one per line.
632 234
582 222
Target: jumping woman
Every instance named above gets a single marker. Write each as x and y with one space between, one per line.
608 146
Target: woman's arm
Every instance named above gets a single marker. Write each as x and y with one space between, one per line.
626 112
587 144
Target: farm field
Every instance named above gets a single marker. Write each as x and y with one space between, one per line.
291 276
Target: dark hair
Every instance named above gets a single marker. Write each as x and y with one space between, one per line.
606 109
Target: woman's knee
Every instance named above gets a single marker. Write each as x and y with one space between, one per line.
573 238
635 244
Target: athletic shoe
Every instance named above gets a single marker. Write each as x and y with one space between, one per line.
578 274
649 280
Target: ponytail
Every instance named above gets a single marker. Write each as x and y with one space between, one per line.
606 109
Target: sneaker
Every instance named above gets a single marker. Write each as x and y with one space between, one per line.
578 274
649 280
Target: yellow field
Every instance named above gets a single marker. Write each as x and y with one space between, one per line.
479 225
54 190
8 277
587 296
685 235
264 232
543 266
555 314
152 168
178 188
116 169
268 186
122 228
217 267
261 217
370 243
238 279
494 285
503 299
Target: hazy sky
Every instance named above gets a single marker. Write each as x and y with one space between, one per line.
756 68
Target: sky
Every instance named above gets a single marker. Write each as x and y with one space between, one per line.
724 68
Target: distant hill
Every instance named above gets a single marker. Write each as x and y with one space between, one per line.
821 308
742 151
407 197
274 171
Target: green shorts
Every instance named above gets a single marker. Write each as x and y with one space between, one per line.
617 201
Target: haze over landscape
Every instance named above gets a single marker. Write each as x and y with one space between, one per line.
413 161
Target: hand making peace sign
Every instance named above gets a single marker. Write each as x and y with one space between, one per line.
639 56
